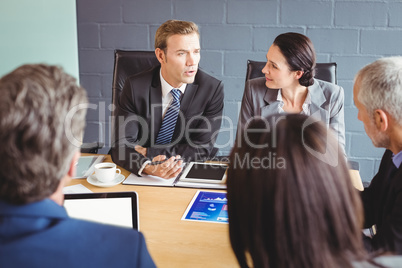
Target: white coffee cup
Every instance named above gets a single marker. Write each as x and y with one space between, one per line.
106 172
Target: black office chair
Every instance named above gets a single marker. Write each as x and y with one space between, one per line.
127 63
324 71
92 147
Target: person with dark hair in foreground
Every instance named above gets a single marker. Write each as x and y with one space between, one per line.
42 118
289 86
291 202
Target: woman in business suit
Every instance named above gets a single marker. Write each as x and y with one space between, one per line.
291 202
289 86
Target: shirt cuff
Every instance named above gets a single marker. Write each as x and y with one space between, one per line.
143 166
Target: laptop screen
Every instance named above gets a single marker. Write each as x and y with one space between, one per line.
120 209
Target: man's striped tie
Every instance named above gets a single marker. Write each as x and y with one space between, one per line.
169 121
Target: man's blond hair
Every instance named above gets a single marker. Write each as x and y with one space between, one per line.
172 27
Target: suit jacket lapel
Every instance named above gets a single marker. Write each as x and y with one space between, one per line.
316 109
272 105
317 100
188 97
155 100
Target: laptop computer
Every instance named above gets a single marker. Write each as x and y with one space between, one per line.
120 208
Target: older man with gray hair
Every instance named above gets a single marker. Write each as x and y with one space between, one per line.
377 95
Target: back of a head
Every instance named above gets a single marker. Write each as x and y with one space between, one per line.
290 199
39 108
381 86
173 27
299 53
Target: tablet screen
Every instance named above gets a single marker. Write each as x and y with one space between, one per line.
206 172
118 209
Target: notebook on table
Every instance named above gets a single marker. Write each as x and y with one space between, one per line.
119 208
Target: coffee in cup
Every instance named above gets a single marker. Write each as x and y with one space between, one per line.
106 172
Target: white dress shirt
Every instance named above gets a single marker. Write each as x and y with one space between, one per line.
305 106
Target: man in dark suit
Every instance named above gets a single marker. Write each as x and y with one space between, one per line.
378 97
143 107
40 130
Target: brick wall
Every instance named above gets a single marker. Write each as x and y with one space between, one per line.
351 33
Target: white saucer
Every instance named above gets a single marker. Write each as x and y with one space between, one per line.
94 181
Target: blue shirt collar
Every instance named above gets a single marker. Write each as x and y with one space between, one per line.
397 159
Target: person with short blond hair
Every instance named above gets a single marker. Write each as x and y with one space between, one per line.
172 27
170 113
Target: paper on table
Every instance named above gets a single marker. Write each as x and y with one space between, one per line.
76 189
148 180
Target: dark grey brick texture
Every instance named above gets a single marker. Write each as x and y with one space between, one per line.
352 33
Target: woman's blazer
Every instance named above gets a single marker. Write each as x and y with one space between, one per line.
326 104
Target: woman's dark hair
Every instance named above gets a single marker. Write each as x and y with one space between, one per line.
300 55
291 202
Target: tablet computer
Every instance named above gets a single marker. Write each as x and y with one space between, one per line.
204 172
120 208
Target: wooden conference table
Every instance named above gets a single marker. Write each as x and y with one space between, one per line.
171 241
